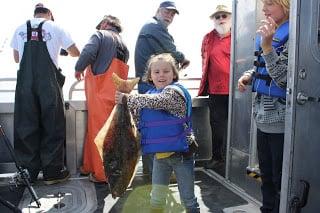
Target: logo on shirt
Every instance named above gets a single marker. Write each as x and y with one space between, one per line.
34 35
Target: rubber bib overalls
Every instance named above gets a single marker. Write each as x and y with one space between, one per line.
100 93
39 120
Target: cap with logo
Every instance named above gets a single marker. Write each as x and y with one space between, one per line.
169 5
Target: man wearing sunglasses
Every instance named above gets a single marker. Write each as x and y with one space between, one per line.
215 54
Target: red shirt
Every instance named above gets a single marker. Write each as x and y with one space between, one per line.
215 64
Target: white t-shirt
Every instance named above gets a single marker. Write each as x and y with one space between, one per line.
54 36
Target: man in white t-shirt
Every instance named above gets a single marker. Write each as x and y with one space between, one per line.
54 36
39 120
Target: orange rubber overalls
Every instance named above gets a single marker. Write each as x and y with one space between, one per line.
100 93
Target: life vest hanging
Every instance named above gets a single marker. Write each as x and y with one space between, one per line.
262 82
163 132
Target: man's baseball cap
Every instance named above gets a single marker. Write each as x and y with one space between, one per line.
169 5
40 8
40 5
221 8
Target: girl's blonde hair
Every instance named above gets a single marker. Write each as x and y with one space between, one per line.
285 4
166 57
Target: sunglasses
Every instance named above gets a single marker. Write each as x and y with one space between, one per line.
220 15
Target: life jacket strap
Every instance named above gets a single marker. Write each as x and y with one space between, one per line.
163 123
258 53
166 139
37 30
259 63
267 78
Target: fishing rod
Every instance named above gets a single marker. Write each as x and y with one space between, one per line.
22 174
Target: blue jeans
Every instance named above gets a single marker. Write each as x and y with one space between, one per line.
147 161
183 168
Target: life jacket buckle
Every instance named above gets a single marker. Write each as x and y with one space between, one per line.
259 64
257 53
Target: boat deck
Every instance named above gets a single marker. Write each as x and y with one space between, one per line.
80 195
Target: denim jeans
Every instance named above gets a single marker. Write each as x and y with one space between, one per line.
183 168
147 162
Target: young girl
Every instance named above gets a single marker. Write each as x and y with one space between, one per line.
269 81
163 119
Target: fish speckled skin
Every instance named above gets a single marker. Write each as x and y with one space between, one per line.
120 151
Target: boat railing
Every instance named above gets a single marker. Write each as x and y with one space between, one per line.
7 89
76 90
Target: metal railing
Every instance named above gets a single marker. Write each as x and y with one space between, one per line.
78 86
6 89
192 85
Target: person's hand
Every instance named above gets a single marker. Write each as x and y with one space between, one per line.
184 64
119 97
78 75
243 82
267 30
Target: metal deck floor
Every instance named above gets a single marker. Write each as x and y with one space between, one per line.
76 195
79 195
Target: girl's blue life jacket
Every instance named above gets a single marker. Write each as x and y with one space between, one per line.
262 82
163 132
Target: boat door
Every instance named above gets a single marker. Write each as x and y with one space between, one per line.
300 181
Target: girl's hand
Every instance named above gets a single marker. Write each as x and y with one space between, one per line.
267 30
119 97
243 82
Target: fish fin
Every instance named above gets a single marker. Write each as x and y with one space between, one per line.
125 86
